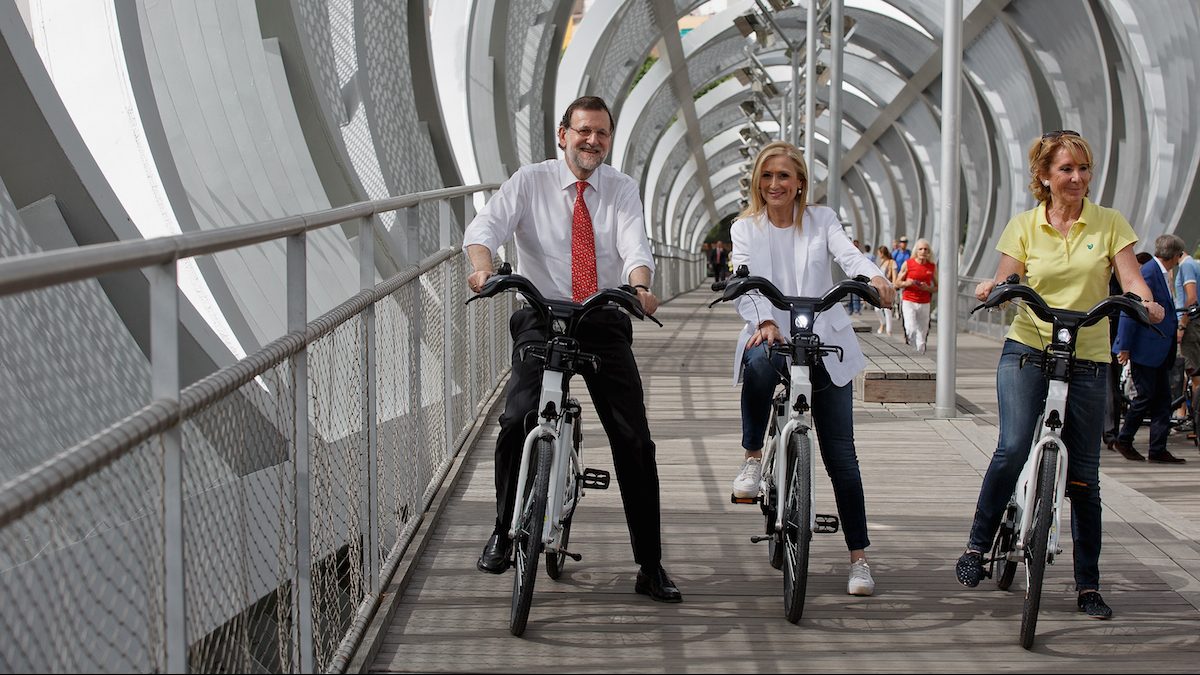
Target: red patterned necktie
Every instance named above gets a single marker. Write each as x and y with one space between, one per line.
583 250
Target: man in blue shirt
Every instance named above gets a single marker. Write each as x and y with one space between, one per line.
902 254
1187 276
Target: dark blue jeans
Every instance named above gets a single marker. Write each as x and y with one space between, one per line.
1021 393
832 411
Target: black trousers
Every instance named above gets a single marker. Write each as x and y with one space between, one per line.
617 393
1153 400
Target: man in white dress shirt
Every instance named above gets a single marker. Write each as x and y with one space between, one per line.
579 228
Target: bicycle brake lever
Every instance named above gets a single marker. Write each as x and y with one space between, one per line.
654 320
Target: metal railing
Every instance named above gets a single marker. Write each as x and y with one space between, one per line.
249 521
992 323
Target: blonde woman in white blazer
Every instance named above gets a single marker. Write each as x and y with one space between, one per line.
781 237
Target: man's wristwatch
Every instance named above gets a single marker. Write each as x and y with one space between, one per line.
643 287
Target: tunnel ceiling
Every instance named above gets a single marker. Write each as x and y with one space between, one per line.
1028 66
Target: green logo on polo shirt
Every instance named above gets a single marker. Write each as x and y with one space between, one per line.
1090 246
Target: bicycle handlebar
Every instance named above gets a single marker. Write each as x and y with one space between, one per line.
743 283
624 296
1011 289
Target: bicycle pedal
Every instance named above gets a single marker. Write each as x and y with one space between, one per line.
597 479
826 524
734 499
760 538
573 556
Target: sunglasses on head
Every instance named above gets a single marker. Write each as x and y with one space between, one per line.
1059 133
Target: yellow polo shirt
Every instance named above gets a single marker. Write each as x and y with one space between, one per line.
1069 272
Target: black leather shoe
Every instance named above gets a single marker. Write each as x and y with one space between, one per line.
1165 457
496 555
1128 452
657 585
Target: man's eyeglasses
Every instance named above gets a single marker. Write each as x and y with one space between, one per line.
1058 134
587 133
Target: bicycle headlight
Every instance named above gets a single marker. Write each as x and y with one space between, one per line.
558 326
1064 335
802 322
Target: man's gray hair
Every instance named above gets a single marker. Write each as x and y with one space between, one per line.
1168 247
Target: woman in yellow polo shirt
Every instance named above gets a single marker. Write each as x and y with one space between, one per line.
1066 248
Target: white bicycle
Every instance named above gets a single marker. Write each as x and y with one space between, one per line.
552 475
1029 529
787 487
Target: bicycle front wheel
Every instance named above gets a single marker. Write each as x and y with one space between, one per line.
529 536
1036 544
797 525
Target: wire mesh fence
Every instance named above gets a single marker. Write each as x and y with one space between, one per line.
393 381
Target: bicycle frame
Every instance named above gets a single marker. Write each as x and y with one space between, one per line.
558 418
799 389
1023 496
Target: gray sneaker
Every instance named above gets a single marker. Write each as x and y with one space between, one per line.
745 486
860 582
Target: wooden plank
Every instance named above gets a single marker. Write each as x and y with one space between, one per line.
921 478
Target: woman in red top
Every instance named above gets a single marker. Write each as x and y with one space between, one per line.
918 279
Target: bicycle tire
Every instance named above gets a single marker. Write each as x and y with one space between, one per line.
775 543
1194 406
797 528
1037 543
555 562
529 538
1001 549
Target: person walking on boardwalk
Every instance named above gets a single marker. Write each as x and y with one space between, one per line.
917 280
1151 358
792 243
579 227
1066 248
888 266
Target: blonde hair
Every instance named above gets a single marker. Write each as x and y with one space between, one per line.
1041 154
776 149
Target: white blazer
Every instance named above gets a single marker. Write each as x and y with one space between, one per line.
819 238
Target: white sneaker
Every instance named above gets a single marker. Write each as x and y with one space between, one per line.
861 582
745 485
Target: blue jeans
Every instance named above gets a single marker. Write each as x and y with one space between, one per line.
1021 393
832 411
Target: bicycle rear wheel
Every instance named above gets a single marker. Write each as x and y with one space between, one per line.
556 561
1001 549
1194 411
529 537
797 525
1037 542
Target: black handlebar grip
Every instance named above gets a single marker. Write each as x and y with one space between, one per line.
1133 296
719 285
505 268
1013 279
742 271
863 278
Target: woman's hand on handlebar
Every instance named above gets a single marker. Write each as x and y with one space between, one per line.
887 292
984 289
767 332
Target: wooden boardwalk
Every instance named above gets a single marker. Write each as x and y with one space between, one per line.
921 477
